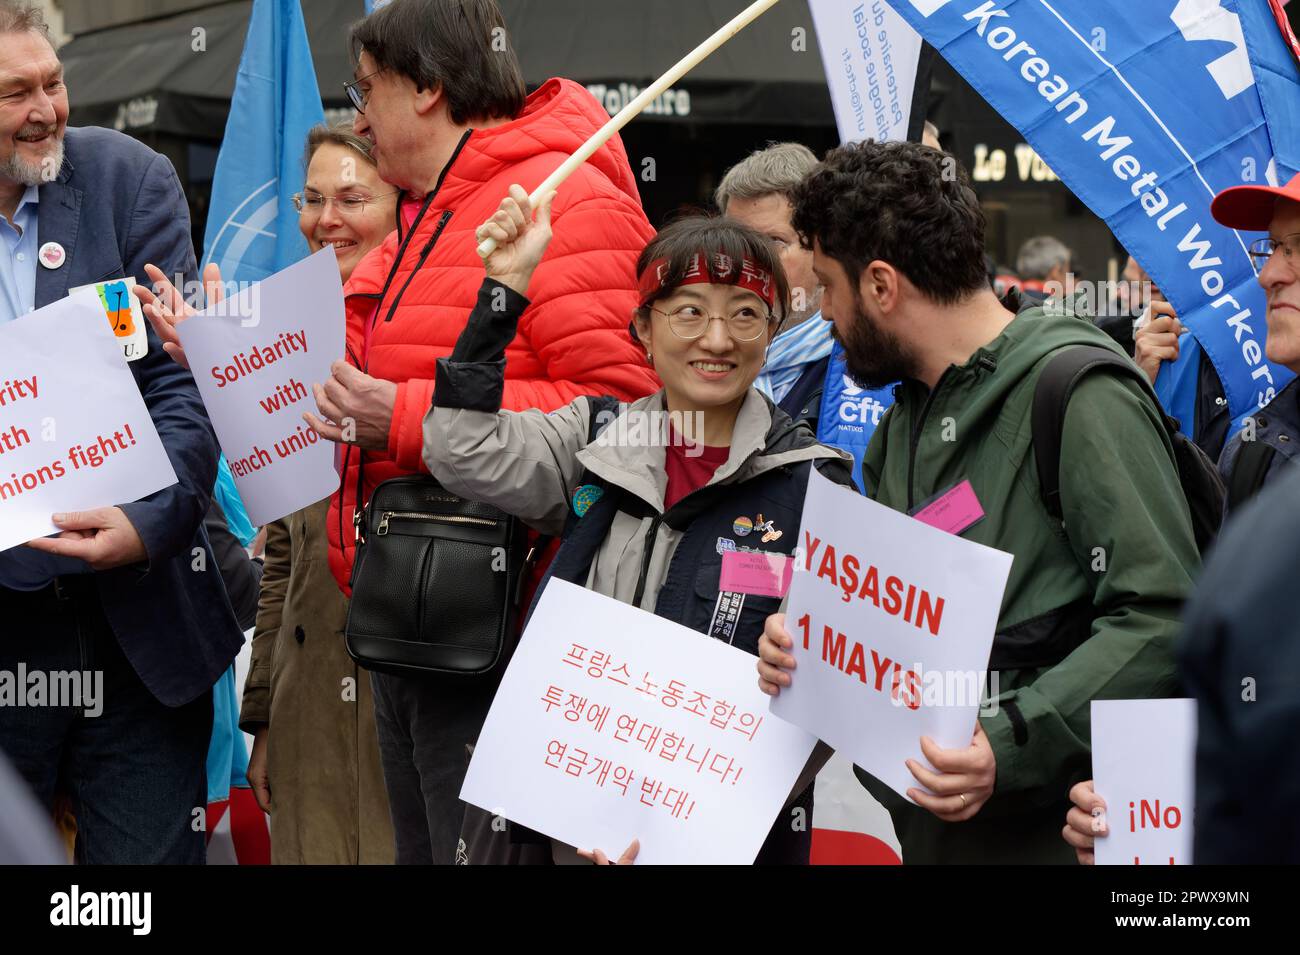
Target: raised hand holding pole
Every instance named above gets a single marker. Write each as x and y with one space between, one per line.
632 109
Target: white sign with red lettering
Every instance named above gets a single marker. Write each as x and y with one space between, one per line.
892 621
75 433
1143 765
255 357
612 724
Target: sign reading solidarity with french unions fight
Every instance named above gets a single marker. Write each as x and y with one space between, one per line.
1146 111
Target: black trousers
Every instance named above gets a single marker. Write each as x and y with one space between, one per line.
135 769
425 725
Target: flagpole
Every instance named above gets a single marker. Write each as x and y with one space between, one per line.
632 109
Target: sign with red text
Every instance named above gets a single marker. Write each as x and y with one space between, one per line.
255 358
1143 765
892 621
612 724
74 432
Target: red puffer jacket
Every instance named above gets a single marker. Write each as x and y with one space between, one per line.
572 340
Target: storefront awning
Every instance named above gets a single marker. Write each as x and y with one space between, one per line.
175 75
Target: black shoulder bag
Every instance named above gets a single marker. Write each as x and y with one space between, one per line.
436 579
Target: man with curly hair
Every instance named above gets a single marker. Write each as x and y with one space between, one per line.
1091 608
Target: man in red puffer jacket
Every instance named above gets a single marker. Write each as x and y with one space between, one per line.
439 91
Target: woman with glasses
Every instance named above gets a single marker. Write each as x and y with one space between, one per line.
343 202
315 765
648 495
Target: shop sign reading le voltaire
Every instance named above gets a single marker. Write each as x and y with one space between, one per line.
673 102
991 165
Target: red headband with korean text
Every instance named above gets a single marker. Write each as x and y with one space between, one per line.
705 268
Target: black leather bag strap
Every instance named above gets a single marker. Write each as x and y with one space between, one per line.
1248 472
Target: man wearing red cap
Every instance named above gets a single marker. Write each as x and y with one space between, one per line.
1243 597
1271 440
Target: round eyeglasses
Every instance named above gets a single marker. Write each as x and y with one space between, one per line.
313 203
745 324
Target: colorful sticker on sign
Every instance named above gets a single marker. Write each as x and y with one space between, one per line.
124 314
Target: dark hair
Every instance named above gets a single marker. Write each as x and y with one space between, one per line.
17 16
903 203
679 242
460 45
340 134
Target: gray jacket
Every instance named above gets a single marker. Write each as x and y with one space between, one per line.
528 464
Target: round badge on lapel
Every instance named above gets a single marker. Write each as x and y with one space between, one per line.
52 255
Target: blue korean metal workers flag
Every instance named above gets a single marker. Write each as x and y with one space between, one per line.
1146 111
252 227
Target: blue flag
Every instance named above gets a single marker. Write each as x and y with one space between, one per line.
252 225
253 232
1146 111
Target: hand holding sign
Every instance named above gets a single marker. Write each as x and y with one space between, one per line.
964 781
599 858
965 777
1085 821
891 629
254 355
64 456
358 408
103 537
165 306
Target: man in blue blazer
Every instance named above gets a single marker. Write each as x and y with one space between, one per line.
129 595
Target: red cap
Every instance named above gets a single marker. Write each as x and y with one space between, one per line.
1251 207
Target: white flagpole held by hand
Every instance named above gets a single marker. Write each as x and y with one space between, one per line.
648 95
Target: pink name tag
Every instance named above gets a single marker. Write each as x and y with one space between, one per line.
746 572
953 511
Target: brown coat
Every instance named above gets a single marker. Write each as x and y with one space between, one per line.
328 803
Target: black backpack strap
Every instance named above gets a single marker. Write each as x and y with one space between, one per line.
1052 393
1249 470
600 413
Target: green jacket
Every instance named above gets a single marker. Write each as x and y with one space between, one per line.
1092 605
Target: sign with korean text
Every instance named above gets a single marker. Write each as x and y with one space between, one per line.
612 724
1143 765
255 357
74 431
892 621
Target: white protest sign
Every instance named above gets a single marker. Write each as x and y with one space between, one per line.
892 622
870 55
255 358
74 432
1143 765
612 724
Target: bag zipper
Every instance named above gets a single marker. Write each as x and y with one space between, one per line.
386 516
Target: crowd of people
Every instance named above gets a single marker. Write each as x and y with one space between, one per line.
860 277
